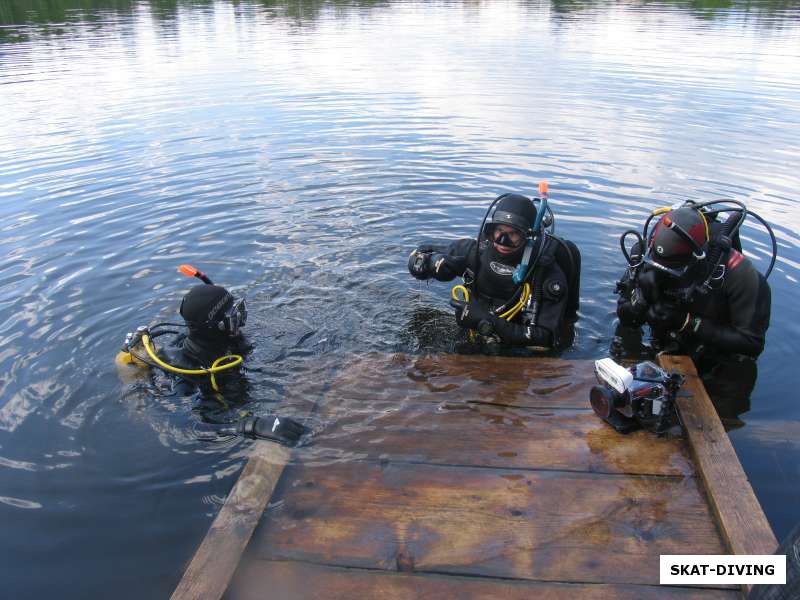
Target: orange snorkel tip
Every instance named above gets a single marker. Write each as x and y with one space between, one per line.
191 271
543 188
188 270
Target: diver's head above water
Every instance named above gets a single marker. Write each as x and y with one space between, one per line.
212 313
678 243
510 224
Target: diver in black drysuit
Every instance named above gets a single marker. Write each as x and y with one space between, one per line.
718 318
213 320
488 265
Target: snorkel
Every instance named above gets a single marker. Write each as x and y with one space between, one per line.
521 271
191 271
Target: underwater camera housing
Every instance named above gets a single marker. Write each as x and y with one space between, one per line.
639 397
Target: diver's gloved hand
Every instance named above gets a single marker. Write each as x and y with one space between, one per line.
419 264
667 317
632 308
473 316
279 429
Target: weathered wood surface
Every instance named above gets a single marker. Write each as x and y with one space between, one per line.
302 581
536 525
744 526
210 571
476 477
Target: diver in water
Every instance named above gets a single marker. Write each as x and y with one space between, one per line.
688 280
205 353
521 282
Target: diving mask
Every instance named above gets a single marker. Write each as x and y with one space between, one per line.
507 238
234 318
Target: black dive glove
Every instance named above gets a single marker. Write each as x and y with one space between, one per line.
632 307
419 264
427 261
279 429
473 316
665 317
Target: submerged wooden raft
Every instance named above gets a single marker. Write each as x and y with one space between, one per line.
478 477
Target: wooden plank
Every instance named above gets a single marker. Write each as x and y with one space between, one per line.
509 381
458 433
548 526
744 526
292 580
216 560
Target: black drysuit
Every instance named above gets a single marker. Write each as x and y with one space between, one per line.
555 286
733 315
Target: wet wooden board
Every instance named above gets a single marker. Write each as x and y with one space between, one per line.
467 434
537 525
459 411
742 522
508 381
280 580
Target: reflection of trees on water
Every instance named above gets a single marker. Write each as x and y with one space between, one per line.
20 12
306 12
777 10
53 17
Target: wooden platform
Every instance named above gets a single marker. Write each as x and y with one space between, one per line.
478 477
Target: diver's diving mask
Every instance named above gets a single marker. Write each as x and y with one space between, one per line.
508 239
234 318
677 273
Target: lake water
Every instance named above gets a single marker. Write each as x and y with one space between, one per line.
296 152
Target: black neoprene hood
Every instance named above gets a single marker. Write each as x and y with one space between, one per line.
514 210
205 305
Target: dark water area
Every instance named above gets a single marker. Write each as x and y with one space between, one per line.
296 152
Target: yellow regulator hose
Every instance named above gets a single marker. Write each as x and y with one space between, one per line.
233 360
460 293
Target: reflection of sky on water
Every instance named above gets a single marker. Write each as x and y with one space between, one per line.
605 94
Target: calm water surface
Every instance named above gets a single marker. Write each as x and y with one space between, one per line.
296 151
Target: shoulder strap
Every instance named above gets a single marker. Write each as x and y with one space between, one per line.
473 265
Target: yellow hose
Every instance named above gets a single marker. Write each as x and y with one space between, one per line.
216 367
523 299
459 288
507 315
705 222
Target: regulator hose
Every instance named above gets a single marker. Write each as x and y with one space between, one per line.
233 360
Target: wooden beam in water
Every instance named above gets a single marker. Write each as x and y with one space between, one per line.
212 567
742 522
